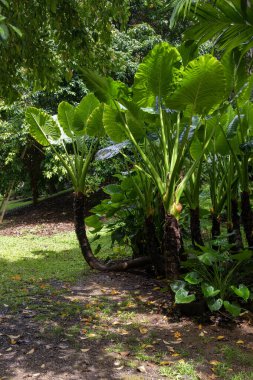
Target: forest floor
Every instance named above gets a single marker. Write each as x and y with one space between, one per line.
60 320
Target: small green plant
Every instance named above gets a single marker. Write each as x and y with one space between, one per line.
214 275
179 371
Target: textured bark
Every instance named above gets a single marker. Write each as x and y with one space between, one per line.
195 228
86 248
172 246
152 248
247 217
215 228
235 237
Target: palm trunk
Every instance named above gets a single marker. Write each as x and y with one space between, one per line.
86 250
195 228
172 246
235 237
247 217
152 246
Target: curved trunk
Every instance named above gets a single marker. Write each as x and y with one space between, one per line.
234 230
85 245
195 228
172 246
247 217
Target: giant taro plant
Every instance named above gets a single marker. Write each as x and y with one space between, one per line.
168 104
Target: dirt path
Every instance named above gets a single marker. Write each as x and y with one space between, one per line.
110 326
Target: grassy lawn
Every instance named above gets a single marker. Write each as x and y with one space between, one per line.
27 262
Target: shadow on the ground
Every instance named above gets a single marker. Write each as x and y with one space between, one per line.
106 326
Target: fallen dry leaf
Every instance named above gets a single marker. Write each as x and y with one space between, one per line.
30 352
16 277
220 337
85 349
142 369
165 362
177 334
124 353
240 342
215 362
143 330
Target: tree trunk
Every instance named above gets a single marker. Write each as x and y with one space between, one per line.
215 229
195 228
172 246
152 246
247 217
5 201
86 250
235 237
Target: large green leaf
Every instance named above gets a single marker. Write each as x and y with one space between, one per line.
113 123
106 89
83 111
202 87
94 124
156 74
42 126
66 117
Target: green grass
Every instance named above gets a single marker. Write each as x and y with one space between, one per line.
31 264
179 371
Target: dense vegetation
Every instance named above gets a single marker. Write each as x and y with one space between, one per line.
178 126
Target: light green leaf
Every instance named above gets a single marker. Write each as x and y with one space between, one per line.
42 126
177 285
156 74
83 111
113 124
215 305
208 290
4 32
202 87
233 309
66 117
93 221
112 189
183 296
209 258
242 291
193 278
196 149
94 125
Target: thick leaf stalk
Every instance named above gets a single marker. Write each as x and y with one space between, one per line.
247 217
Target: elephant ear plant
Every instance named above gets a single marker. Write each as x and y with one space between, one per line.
160 121
76 132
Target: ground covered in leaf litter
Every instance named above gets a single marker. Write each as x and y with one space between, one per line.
112 326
